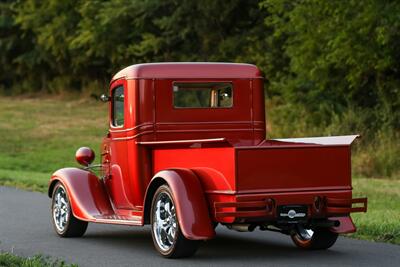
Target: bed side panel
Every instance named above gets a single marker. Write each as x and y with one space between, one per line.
215 167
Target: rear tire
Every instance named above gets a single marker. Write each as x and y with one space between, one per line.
313 239
166 232
64 222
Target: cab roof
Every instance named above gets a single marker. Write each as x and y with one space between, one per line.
188 70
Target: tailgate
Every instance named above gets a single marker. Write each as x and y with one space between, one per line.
293 168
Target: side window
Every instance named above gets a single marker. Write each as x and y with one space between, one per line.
118 106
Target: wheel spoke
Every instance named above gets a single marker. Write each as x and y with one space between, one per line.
168 208
304 234
58 199
160 220
66 217
170 235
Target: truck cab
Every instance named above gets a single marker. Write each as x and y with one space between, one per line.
186 149
153 103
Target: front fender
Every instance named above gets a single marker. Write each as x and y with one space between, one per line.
189 199
86 193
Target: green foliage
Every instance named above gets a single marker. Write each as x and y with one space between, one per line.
42 135
331 67
11 260
339 73
382 220
340 55
376 154
70 44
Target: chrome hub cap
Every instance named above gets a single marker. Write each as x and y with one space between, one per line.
60 209
305 234
164 221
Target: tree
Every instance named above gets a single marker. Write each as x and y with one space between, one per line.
342 54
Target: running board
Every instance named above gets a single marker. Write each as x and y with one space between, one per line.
119 219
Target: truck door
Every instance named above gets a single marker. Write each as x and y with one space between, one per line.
118 177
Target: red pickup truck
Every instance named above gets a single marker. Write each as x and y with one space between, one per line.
186 150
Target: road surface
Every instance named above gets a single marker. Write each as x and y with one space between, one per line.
25 229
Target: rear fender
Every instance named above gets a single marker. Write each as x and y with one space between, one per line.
86 193
346 225
189 199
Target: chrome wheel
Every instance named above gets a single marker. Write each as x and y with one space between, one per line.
60 209
167 235
164 221
316 238
304 234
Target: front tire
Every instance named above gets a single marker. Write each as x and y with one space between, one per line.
167 235
313 239
64 222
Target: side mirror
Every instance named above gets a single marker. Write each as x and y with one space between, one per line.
84 156
105 98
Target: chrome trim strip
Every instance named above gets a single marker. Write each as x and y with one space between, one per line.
115 221
203 130
133 128
204 122
211 140
131 137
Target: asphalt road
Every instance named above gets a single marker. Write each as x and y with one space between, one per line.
25 229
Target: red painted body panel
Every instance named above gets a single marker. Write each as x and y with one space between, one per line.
280 169
87 193
191 205
261 169
215 174
216 160
346 225
189 70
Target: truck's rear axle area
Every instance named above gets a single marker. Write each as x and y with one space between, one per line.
272 209
283 227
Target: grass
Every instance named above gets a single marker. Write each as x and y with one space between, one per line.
11 260
382 220
28 180
375 154
41 135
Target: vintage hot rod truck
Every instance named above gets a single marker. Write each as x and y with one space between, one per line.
186 150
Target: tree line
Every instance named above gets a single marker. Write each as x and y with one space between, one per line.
327 58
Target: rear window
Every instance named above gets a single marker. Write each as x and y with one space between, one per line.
202 95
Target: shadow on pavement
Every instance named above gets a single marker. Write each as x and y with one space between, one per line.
225 247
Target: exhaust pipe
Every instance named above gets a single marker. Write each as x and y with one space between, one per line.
241 227
327 223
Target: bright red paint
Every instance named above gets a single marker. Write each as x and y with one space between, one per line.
84 156
88 196
193 211
216 160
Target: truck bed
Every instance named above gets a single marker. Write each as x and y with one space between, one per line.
274 166
292 168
